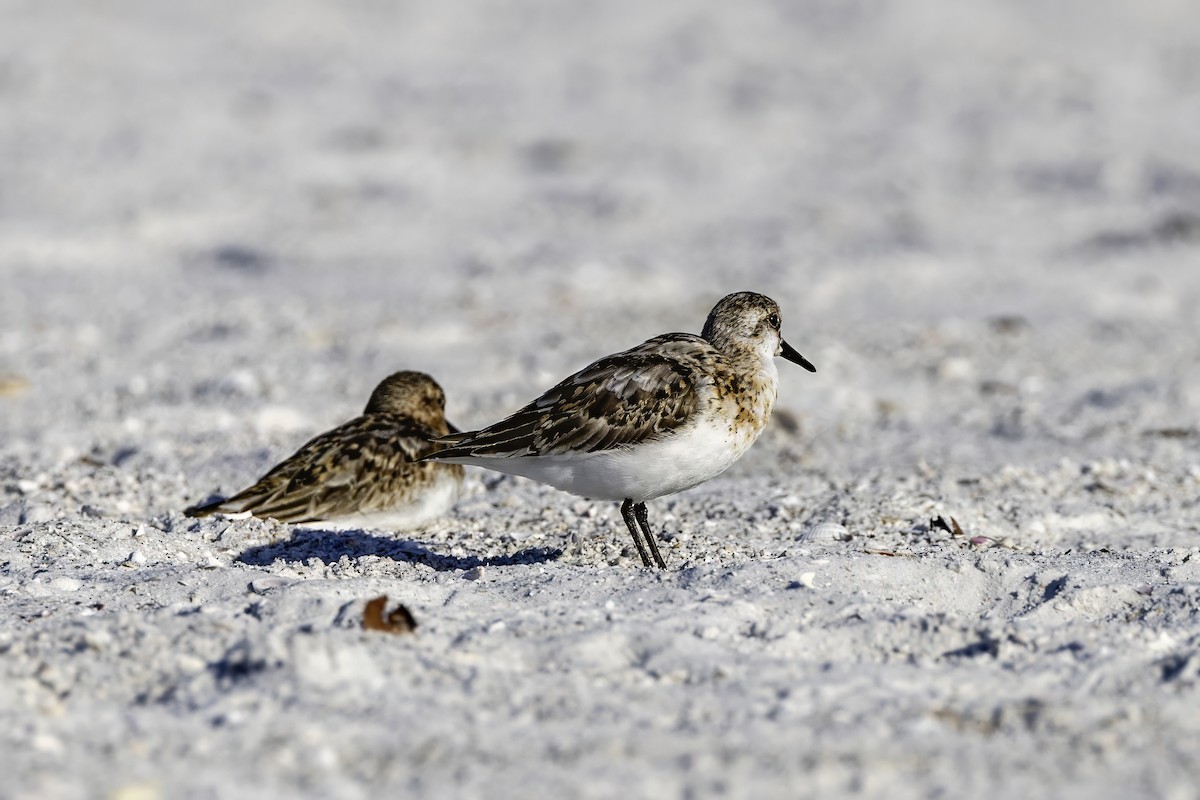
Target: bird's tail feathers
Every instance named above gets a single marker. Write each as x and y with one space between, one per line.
205 509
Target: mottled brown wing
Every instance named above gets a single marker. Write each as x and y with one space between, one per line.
357 467
619 401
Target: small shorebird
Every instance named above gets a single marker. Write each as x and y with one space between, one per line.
362 473
654 420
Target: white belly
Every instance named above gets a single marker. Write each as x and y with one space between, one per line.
642 473
428 505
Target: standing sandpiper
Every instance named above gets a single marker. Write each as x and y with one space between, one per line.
654 420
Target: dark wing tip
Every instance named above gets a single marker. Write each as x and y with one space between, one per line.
445 446
204 509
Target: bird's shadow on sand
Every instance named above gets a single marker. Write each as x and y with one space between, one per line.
331 546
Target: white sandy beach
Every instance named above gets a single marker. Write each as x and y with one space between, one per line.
221 224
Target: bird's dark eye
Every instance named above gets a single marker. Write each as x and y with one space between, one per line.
773 321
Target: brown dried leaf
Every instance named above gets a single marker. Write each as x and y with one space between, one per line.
398 620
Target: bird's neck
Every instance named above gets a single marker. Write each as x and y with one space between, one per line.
755 382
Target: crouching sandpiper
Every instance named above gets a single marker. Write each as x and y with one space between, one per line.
362 474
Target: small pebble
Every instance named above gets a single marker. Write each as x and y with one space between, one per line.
807 579
190 665
47 743
955 369
38 513
97 639
268 582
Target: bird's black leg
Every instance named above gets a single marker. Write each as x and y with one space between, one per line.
639 512
631 522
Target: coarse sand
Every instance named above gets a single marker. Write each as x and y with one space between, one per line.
962 561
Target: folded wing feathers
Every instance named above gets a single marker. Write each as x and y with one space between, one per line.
618 401
349 469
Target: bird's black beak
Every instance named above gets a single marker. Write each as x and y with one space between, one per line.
452 427
789 352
